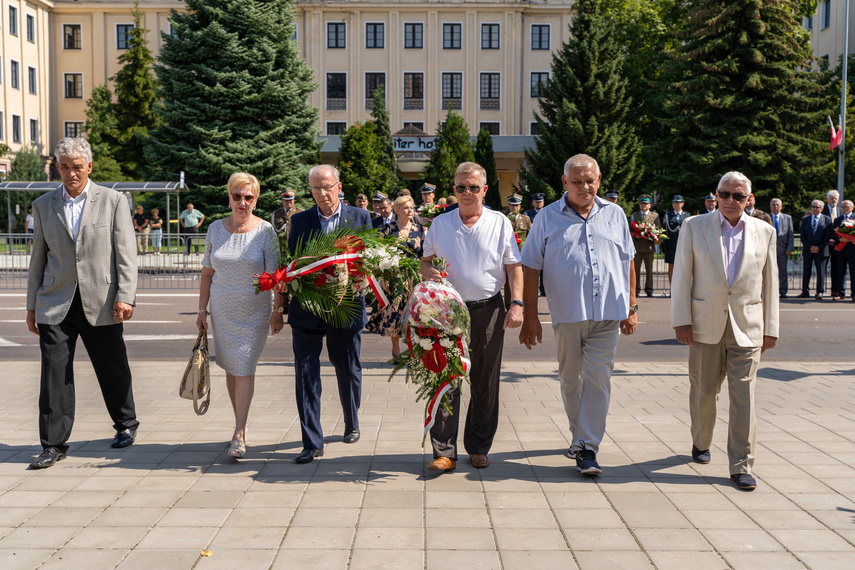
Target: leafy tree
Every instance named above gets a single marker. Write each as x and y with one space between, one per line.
484 157
360 161
831 79
135 99
235 96
584 108
28 166
742 98
392 179
452 147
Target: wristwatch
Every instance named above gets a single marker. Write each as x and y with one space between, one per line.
633 308
517 302
280 309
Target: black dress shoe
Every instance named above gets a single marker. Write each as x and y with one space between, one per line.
700 456
803 295
308 455
351 435
48 457
818 297
124 438
744 481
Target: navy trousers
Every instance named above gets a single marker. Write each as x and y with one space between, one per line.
343 352
811 260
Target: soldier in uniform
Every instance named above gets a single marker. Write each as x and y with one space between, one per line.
521 224
428 192
644 248
281 218
673 220
537 203
612 196
709 206
362 202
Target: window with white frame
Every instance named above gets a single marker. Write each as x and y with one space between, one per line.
538 80
539 37
534 128
489 36
491 127
375 35
451 36
72 36
34 131
2 127
336 128
73 85
31 28
808 23
14 74
414 35
490 91
32 80
16 128
123 35
13 22
336 91
452 91
74 129
414 91
825 15
336 35
373 82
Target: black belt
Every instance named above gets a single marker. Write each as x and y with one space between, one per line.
482 302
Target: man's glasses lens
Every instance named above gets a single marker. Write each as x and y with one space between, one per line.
248 199
727 195
463 189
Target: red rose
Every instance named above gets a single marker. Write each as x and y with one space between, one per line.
320 280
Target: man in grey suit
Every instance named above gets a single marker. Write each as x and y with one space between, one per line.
786 242
82 282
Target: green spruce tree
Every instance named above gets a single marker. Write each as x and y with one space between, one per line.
451 148
235 96
391 178
484 156
135 99
741 97
360 161
27 166
584 108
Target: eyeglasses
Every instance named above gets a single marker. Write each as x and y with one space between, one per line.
728 195
326 188
248 198
463 189
816 207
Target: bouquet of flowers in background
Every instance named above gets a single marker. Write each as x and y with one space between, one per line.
436 324
643 230
427 212
328 273
845 233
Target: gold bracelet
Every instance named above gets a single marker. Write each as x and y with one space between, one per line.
202 311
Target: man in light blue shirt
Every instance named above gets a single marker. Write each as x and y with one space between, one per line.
583 247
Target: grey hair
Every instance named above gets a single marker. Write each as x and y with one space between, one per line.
849 202
315 170
73 147
817 202
580 160
831 193
472 168
734 176
773 200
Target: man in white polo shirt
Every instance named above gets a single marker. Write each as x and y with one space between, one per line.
479 246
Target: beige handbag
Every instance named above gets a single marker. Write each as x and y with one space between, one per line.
196 382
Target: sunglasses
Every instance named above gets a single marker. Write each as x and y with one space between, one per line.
727 195
463 189
249 198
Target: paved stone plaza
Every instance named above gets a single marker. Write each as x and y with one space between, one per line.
175 493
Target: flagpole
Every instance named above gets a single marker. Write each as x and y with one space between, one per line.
841 161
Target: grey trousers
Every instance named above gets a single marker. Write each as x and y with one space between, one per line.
586 359
708 366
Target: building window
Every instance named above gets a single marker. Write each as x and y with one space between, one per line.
336 35
538 80
14 74
419 125
490 92
373 82
31 28
13 24
492 128
808 23
825 15
16 128
72 36
336 91
539 36
336 128
374 35
452 91
74 129
413 36
74 86
414 91
451 34
534 128
31 79
294 35
489 36
34 131
2 127
1 69
123 35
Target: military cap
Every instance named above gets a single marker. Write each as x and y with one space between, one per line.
288 195
677 198
427 187
644 199
537 197
612 194
514 200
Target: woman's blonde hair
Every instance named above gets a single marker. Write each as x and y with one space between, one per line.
401 200
241 179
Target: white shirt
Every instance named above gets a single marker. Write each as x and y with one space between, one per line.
476 256
74 208
734 245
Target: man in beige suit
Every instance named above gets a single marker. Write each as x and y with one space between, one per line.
82 282
724 305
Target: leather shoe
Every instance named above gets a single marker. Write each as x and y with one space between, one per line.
351 435
47 458
442 464
124 438
700 456
818 297
479 460
803 295
744 481
308 455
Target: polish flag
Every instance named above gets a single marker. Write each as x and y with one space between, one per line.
836 136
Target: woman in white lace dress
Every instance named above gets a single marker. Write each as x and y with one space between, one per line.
236 248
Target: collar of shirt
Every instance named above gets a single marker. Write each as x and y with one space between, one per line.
725 223
330 223
80 197
568 208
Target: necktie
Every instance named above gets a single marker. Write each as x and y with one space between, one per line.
776 223
814 224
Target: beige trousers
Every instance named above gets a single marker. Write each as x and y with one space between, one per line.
708 366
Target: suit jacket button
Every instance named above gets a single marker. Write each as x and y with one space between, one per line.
725 311
730 292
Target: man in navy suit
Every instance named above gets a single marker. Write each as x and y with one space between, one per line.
815 232
833 211
308 331
385 215
847 254
786 242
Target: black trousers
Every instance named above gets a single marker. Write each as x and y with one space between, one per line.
846 260
647 258
482 419
836 261
811 260
109 358
783 278
191 239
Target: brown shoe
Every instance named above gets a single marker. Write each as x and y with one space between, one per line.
442 464
479 460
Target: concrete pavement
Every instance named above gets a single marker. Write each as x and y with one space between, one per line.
175 493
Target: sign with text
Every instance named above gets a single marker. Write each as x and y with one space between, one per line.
414 144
